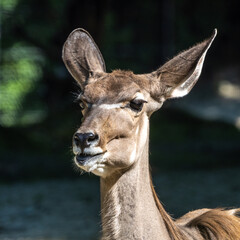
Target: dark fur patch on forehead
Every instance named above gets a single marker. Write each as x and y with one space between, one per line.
115 87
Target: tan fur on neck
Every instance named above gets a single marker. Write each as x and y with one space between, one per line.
110 220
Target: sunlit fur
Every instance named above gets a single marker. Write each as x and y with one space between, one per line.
115 122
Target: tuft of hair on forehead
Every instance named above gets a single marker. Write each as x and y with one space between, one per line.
119 72
140 79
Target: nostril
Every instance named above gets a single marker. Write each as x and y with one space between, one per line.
84 140
92 137
77 139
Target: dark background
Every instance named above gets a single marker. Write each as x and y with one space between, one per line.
38 117
37 113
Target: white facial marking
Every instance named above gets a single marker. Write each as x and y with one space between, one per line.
100 169
111 106
88 151
92 150
95 165
133 155
137 130
142 137
139 96
118 105
143 133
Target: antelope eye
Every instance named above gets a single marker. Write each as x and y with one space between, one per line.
82 105
137 104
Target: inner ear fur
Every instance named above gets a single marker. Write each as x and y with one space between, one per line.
178 76
82 56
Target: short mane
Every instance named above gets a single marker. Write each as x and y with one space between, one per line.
173 230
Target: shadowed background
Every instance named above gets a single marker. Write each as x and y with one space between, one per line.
194 141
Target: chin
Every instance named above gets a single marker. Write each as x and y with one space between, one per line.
94 164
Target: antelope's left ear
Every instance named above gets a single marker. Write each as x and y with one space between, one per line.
178 76
82 56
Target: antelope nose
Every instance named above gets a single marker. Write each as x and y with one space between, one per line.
84 140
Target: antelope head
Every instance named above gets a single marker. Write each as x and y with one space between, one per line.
116 106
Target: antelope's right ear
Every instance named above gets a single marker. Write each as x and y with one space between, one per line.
82 56
177 77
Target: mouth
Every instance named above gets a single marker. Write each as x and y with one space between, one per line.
83 159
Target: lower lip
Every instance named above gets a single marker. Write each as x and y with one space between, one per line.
82 159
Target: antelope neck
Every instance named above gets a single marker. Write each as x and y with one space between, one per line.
128 208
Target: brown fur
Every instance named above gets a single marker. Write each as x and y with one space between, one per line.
219 223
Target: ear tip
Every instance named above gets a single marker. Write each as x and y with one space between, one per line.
210 40
74 37
78 33
215 32
77 30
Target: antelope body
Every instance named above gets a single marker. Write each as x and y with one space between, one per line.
112 142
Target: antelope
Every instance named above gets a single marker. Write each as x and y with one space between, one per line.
113 143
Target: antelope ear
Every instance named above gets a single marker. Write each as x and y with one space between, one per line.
178 76
82 56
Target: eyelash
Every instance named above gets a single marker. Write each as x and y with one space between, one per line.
82 105
137 104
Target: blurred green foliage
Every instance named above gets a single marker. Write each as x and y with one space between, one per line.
20 73
37 116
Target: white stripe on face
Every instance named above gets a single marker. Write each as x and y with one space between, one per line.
87 151
111 106
143 134
95 165
119 105
139 96
133 154
92 150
